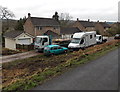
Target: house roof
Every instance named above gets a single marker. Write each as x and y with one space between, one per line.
87 24
104 24
69 30
44 21
53 34
13 34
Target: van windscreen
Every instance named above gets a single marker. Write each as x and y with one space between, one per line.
75 40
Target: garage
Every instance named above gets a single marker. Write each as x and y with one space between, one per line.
25 41
13 38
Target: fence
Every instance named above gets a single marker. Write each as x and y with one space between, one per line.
25 47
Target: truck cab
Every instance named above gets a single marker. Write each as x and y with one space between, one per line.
41 42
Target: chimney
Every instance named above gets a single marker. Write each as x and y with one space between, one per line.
77 19
29 15
88 20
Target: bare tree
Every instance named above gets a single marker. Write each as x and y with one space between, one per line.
5 13
64 19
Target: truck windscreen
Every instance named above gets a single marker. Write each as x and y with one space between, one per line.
38 40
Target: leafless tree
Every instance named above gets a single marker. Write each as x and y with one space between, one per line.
64 19
5 13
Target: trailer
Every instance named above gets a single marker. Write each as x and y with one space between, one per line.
82 40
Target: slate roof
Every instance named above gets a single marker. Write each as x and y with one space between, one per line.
49 32
104 24
44 21
69 30
13 34
87 24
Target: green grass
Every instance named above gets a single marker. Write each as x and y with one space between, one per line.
48 73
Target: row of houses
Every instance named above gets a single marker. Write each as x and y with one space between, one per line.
35 26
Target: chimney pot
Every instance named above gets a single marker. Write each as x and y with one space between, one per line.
29 15
77 19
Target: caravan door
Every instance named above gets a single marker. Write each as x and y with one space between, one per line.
82 42
86 40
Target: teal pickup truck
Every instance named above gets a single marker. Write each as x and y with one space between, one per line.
54 49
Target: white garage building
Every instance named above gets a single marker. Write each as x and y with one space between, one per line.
17 37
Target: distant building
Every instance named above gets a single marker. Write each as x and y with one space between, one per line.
67 32
39 26
84 25
102 27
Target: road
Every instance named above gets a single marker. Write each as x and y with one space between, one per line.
10 58
99 74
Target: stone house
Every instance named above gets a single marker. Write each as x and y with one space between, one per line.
102 27
84 25
39 26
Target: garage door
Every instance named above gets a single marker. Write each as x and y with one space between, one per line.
24 41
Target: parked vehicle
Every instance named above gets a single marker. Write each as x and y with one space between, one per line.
41 42
54 49
117 36
99 39
82 40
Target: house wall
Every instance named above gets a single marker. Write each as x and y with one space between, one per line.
10 43
29 27
100 28
78 25
90 29
45 29
34 31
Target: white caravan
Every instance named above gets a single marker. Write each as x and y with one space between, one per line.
83 39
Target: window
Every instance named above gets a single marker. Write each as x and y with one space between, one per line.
54 48
38 28
90 36
59 47
38 40
100 38
45 40
94 35
75 40
82 41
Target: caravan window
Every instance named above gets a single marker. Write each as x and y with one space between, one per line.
90 36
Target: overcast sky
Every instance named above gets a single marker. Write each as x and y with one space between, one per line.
103 10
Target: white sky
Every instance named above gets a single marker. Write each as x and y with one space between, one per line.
103 10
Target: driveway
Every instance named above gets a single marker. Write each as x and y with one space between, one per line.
10 58
99 74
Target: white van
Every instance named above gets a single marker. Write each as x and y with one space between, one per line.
99 39
83 39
